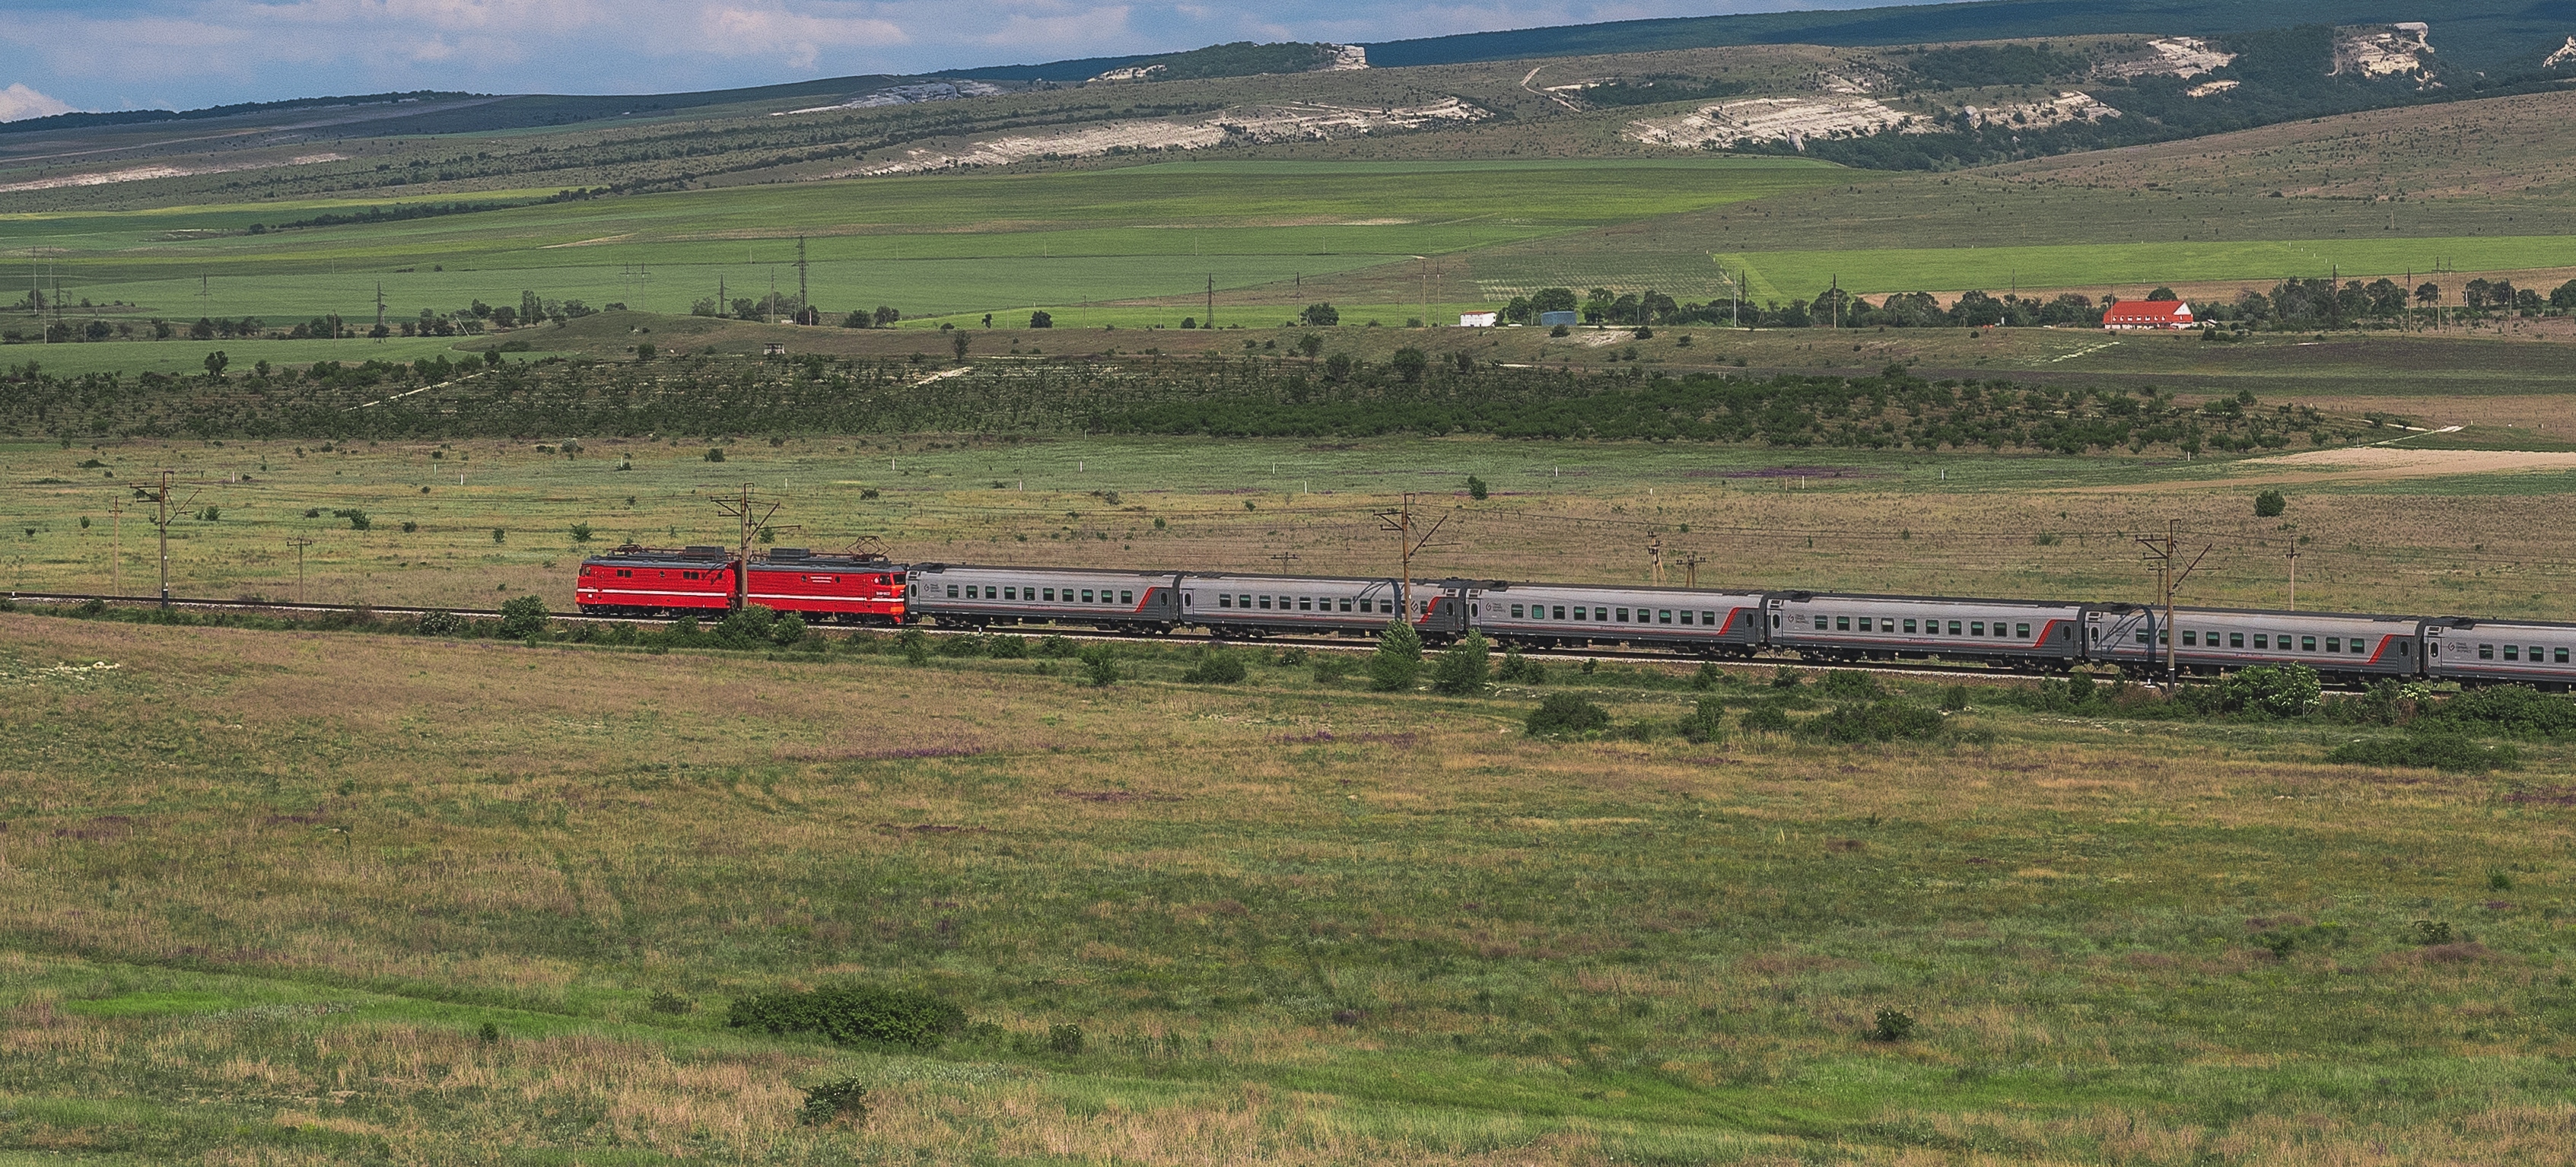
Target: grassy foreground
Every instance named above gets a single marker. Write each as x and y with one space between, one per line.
251 919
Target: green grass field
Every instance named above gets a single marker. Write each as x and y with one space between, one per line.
924 244
267 891
2135 267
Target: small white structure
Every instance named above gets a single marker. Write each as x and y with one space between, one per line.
1477 319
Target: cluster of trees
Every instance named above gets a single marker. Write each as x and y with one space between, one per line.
2315 303
1832 307
471 320
1220 395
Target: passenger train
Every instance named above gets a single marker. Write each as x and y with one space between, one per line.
2025 635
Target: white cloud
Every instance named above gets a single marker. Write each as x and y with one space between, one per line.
18 101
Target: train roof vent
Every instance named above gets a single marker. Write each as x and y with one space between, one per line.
702 552
790 553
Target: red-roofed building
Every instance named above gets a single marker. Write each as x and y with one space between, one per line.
2147 314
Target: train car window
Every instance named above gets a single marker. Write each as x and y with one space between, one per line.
1305 603
1954 628
2486 652
1224 601
1010 593
1346 606
2235 640
2142 636
1775 620
1126 597
952 591
1686 616
1578 611
625 573
1842 623
1516 611
2511 653
1909 626
2535 654
1623 614
2334 644
2190 638
2356 645
2262 641
1560 613
1050 595
2023 631
1864 623
1708 618
1976 628
2562 656
1265 602
2307 643
1664 617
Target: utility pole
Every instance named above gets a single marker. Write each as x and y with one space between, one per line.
116 547
1690 569
380 310
1211 316
1285 558
742 509
2165 552
299 543
800 279
1655 547
161 519
1400 522
2294 579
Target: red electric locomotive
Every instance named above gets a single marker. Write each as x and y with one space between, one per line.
652 581
849 589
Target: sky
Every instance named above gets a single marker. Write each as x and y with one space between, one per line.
61 55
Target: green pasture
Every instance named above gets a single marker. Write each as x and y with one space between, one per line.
2132 268
942 243
189 356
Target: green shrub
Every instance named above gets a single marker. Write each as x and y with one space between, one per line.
1567 715
445 623
1765 718
914 644
2515 710
966 645
2433 750
1007 647
523 617
2282 691
1464 669
715 453
2431 933
2270 504
488 1033
1893 1025
788 630
1518 669
1706 723
1100 666
581 532
1849 685
1785 677
1476 488
831 1101
1398 659
1331 667
853 1015
1055 647
1954 699
1217 667
666 1001
1064 1039
1710 676
1877 721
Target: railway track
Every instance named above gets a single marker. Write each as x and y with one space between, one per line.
1316 643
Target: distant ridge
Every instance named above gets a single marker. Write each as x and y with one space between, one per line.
2470 34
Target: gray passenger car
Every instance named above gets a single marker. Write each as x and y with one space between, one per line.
1823 626
968 596
2219 639
2494 652
1247 606
1709 623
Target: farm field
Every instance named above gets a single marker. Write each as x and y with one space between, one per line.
925 245
2453 532
495 908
